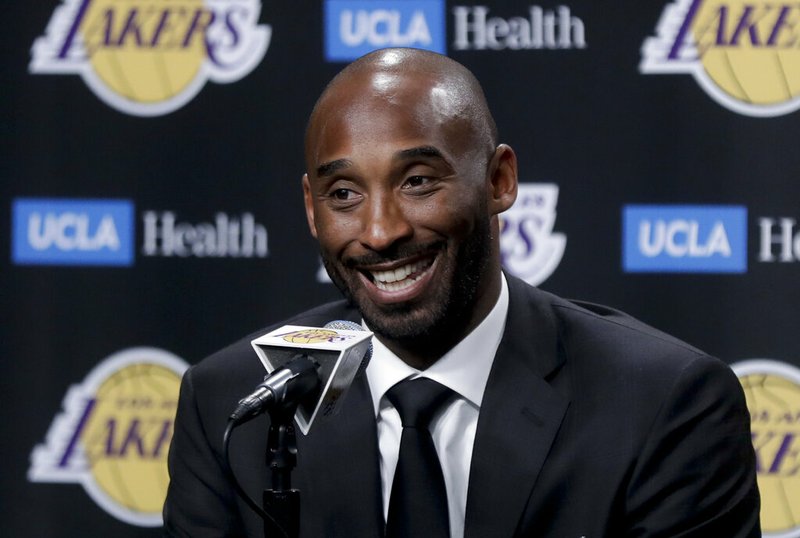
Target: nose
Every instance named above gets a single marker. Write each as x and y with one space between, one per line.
385 223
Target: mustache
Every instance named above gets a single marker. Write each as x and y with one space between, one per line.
394 253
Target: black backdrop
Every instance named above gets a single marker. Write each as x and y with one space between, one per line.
581 115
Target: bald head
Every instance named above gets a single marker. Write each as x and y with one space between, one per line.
396 76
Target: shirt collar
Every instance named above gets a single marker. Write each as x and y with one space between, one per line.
464 369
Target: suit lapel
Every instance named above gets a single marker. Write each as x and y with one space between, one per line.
341 481
519 418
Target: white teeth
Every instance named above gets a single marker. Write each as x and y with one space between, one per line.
397 279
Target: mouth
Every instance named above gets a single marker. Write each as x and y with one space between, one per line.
400 278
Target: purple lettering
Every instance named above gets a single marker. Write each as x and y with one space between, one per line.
211 47
132 26
783 451
230 25
162 24
133 436
164 437
87 411
723 23
746 24
111 428
198 25
779 25
687 24
73 30
108 15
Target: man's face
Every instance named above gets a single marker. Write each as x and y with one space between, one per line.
396 194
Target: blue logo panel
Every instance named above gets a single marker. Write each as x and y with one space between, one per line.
72 232
684 239
355 27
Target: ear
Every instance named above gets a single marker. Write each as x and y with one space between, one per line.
309 203
502 181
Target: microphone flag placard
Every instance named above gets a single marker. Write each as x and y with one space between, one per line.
338 354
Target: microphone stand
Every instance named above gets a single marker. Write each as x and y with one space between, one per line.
279 394
281 501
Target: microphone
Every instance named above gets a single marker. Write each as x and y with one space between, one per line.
284 386
310 367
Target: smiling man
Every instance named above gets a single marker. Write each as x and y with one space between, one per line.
547 418
405 181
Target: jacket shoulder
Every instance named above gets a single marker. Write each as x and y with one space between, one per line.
605 340
596 317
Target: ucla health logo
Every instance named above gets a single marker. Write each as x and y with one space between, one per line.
355 27
528 246
151 57
744 54
684 239
72 232
113 434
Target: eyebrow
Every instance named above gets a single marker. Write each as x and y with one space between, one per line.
421 151
330 168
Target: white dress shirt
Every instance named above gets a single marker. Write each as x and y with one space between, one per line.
465 370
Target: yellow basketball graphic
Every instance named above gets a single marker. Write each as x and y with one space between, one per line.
310 336
773 399
151 57
146 50
128 434
113 434
749 50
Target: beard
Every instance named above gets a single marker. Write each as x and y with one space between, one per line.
445 312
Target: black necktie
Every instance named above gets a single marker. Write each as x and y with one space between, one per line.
418 504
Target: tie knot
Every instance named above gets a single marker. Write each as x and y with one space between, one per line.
417 400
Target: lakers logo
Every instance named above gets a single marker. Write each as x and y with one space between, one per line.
744 54
151 57
114 433
772 389
313 336
529 248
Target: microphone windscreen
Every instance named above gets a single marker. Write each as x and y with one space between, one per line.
347 325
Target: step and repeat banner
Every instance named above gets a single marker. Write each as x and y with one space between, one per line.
152 210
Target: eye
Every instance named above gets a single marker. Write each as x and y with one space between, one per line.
416 182
342 197
342 194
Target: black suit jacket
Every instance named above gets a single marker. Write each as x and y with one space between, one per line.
592 425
